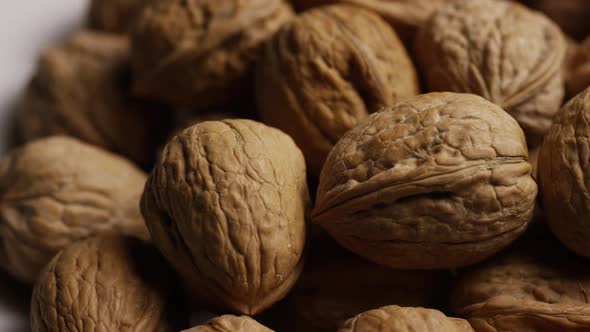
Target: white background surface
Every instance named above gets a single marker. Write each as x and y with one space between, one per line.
26 27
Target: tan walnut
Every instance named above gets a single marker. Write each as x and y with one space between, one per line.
230 323
107 283
404 319
326 71
227 205
536 286
80 90
199 54
500 50
564 174
437 181
57 190
115 16
578 78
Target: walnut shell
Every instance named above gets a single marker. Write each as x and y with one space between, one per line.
199 54
230 323
500 50
570 15
535 286
438 181
115 16
578 78
399 319
107 283
226 204
57 190
326 71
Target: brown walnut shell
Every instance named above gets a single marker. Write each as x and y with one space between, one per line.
230 323
404 319
80 90
578 78
437 181
501 51
58 190
107 283
326 71
226 204
115 16
199 54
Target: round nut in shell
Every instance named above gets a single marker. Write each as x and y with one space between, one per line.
115 16
57 190
230 323
437 181
107 283
200 55
500 50
327 70
227 205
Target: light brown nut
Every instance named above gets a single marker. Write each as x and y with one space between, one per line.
226 204
326 71
570 15
57 190
107 283
579 69
564 174
500 50
536 286
199 54
438 181
115 16
399 319
230 323
80 90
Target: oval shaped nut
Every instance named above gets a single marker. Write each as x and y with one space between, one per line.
200 54
227 205
107 283
58 190
80 90
231 323
536 286
326 71
437 181
404 319
578 78
501 51
115 16
564 174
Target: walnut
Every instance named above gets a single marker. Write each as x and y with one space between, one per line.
80 90
570 15
438 181
326 71
107 283
579 69
115 16
230 323
563 174
57 190
199 54
226 204
536 286
399 319
500 50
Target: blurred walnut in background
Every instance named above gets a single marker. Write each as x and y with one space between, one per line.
571 15
579 69
115 16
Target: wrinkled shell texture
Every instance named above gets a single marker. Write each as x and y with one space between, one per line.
80 90
230 323
399 319
564 174
110 283
326 71
501 51
227 204
58 190
579 69
536 286
115 16
199 54
571 15
438 181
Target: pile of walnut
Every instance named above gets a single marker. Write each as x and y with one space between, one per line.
358 165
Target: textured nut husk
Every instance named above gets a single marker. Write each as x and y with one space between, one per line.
536 286
326 71
501 51
58 190
230 323
115 16
437 181
107 283
80 90
199 54
399 319
578 78
570 15
226 204
564 174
